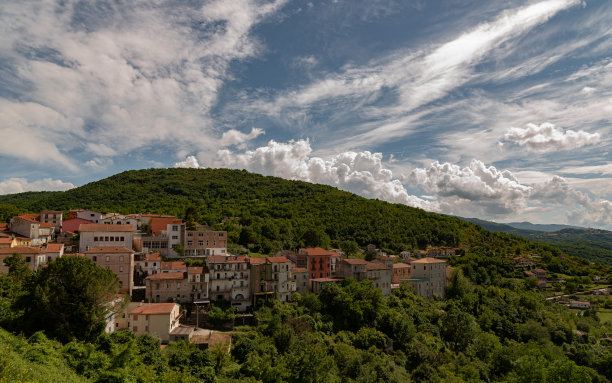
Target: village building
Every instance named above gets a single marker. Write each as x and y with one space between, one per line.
318 262
52 217
101 235
173 267
400 271
317 284
385 260
34 257
271 276
54 251
148 264
27 226
178 286
300 277
89 215
360 269
119 219
118 259
229 280
428 277
155 319
8 241
72 225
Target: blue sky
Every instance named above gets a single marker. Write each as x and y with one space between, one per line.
497 110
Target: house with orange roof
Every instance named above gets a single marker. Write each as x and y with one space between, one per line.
317 261
155 319
8 241
229 280
400 271
172 267
118 259
271 276
52 217
360 269
54 251
34 257
178 286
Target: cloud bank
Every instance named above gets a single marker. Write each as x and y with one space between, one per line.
20 185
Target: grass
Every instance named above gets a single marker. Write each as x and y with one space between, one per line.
605 315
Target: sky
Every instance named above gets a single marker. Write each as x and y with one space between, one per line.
499 110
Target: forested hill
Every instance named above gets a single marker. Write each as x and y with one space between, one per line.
592 244
265 213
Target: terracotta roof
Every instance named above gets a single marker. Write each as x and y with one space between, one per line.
317 251
21 250
376 266
278 259
226 259
154 309
173 265
326 279
107 228
401 265
52 211
44 224
153 257
299 270
356 261
27 217
6 240
55 247
165 276
159 224
429 260
257 260
4 226
108 249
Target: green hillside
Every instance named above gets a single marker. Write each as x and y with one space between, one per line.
592 244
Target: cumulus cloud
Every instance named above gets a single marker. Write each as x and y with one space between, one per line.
236 137
118 76
547 138
362 173
585 211
20 185
190 162
495 192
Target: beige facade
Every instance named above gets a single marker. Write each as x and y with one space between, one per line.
53 217
34 257
39 232
360 269
271 276
119 260
155 319
205 242
99 235
300 277
183 287
428 276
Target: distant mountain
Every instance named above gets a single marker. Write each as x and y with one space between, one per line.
592 244
539 227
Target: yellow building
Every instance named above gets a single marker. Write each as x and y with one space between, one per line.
155 319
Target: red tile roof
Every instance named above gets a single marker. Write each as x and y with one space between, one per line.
44 224
317 251
108 249
173 265
195 270
157 224
278 259
73 224
106 228
154 309
376 266
153 257
165 276
355 261
257 260
401 265
226 259
6 240
299 270
55 247
21 250
27 217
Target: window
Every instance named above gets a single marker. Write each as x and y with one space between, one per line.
174 227
95 239
220 234
28 259
122 239
189 243
106 239
135 318
112 239
190 234
120 284
175 237
121 269
200 234
94 258
200 243
107 258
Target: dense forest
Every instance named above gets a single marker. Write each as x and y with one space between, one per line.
493 325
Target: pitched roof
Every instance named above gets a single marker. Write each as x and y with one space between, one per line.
299 270
256 260
44 224
21 250
429 260
55 247
6 240
27 217
106 228
165 276
51 211
195 270
278 259
159 224
226 259
108 249
317 251
376 266
152 257
154 309
173 265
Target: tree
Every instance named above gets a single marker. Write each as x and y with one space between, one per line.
71 298
191 218
18 268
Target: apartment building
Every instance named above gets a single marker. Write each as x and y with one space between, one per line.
229 280
428 276
102 235
34 257
271 276
156 319
28 226
52 217
318 262
118 259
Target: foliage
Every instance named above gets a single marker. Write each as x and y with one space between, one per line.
68 299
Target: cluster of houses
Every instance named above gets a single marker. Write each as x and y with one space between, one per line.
145 251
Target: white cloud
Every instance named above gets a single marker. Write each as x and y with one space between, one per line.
546 137
20 185
487 189
236 137
190 162
119 77
362 173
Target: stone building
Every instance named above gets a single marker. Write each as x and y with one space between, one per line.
118 259
428 276
229 280
99 235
